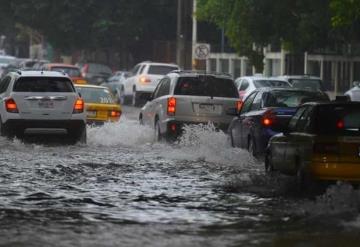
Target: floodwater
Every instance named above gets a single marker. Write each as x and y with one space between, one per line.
122 189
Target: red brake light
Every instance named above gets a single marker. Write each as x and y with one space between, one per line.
340 124
79 106
11 106
238 105
116 114
268 119
171 106
144 79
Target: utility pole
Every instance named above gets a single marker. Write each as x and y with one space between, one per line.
179 35
194 35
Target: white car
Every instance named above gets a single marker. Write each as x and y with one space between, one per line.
41 102
353 94
143 80
247 84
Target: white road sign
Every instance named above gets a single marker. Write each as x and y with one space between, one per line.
201 51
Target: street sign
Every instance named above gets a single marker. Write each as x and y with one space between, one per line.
201 51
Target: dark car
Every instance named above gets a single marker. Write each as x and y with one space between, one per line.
266 112
95 73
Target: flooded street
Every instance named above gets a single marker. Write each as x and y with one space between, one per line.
121 189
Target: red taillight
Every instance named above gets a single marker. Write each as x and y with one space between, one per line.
238 105
79 106
144 79
268 119
115 114
171 107
340 124
326 148
11 106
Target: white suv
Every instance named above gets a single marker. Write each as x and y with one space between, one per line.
143 80
38 102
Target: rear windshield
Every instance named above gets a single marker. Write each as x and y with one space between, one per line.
96 95
343 119
99 69
43 84
72 72
285 98
160 69
206 86
308 84
270 83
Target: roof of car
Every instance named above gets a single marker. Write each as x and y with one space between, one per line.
158 63
334 102
267 89
24 73
260 77
89 86
199 73
298 77
61 65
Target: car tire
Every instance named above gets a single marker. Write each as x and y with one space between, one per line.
302 179
135 98
232 143
157 131
252 147
78 135
5 131
121 96
141 120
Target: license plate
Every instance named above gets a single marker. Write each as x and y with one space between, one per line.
46 104
207 107
91 113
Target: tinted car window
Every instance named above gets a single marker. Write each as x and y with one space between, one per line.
72 72
96 95
308 84
4 84
248 103
270 83
283 98
160 69
206 86
244 85
43 84
338 119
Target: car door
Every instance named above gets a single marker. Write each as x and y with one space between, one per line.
148 110
238 127
129 82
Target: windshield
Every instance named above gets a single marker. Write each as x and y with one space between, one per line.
308 84
340 119
96 95
72 72
270 83
206 86
292 98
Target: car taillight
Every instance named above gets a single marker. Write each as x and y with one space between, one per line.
116 114
171 106
11 106
238 105
326 148
268 119
79 106
340 124
144 79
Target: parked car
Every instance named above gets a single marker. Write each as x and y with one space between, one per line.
4 62
95 73
71 70
353 94
321 143
188 97
100 104
115 83
312 83
36 101
143 80
266 112
248 84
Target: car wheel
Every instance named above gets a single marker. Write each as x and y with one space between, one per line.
302 178
135 98
4 130
269 169
251 147
121 96
157 132
232 143
141 120
78 135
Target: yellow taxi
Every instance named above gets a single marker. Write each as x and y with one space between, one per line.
322 142
100 104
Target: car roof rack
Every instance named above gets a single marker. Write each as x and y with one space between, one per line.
200 72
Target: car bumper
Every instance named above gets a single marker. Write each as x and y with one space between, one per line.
335 171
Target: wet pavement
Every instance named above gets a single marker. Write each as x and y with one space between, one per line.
122 189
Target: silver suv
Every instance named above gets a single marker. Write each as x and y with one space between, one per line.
190 97
41 102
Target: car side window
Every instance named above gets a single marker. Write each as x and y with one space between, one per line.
135 69
247 103
164 88
304 122
256 105
141 70
4 84
294 120
156 91
244 85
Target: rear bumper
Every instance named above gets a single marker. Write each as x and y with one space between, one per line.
335 171
19 125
